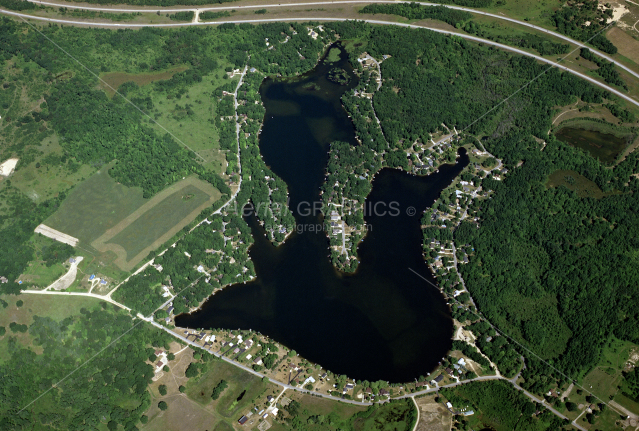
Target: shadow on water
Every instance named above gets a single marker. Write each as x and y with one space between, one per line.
381 323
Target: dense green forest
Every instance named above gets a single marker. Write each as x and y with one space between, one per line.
501 405
606 69
118 378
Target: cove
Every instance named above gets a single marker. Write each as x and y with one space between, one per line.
380 323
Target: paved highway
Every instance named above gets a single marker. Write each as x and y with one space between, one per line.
234 6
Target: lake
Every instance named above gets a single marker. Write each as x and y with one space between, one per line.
382 322
603 146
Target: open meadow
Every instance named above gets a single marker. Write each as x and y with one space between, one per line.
109 218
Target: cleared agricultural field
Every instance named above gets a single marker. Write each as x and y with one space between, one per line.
94 206
113 218
627 45
156 221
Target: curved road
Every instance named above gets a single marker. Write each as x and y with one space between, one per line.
464 36
261 6
370 21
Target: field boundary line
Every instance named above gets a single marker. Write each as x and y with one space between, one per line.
101 245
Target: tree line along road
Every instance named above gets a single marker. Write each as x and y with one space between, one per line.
370 21
295 4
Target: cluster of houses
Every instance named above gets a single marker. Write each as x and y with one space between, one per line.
270 409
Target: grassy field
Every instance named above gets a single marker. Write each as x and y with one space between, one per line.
115 224
245 391
156 221
95 206
388 417
57 308
577 183
193 126
626 44
538 12
603 382
159 219
110 81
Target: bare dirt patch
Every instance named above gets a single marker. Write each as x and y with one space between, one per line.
7 167
56 235
433 416
627 45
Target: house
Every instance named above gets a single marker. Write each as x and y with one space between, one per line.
92 277
103 281
323 376
269 398
449 371
420 384
449 405
438 378
383 392
274 411
242 420
252 70
368 391
257 361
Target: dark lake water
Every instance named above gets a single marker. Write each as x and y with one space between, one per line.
381 323
602 146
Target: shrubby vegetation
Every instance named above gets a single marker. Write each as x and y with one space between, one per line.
417 11
499 403
118 377
18 5
606 69
631 388
571 20
211 15
182 16
217 390
540 44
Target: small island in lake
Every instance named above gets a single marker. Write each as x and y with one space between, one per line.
338 76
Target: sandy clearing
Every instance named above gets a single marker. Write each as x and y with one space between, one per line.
56 235
433 416
67 279
7 167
